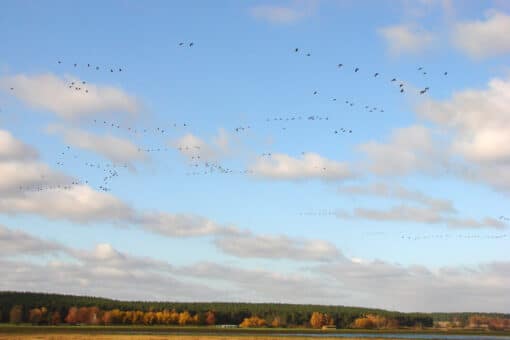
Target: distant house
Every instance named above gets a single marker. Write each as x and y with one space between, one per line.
326 327
227 326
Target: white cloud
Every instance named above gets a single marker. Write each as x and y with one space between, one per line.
192 146
13 149
295 11
405 39
106 271
309 166
479 125
484 38
396 191
409 149
116 149
429 210
79 203
248 245
407 213
181 225
51 93
17 242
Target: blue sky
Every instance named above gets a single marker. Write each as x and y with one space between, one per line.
430 166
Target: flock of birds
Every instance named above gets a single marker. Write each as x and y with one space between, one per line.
201 166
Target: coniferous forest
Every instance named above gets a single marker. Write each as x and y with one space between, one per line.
55 309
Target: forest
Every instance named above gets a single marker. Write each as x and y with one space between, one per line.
54 309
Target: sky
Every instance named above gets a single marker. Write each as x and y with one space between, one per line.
191 151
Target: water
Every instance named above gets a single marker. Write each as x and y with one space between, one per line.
343 336
372 336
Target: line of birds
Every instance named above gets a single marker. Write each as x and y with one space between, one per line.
449 236
94 67
144 130
357 69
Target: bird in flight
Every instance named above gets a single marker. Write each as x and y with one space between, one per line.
356 69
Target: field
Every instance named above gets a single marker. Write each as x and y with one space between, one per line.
25 332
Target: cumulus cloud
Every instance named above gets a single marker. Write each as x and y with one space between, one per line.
308 166
181 225
479 124
48 92
417 208
408 150
12 149
295 11
17 242
109 272
484 38
379 283
191 146
79 203
396 191
407 213
265 285
20 182
116 149
405 39
278 247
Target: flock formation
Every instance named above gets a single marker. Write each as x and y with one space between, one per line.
201 166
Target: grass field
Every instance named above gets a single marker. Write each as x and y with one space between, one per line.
25 332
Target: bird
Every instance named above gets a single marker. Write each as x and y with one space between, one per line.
394 79
420 68
315 92
59 62
296 50
446 73
191 44
340 65
376 74
308 54
356 69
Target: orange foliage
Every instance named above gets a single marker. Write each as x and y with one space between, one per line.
254 321
374 321
318 319
277 322
35 316
72 315
210 318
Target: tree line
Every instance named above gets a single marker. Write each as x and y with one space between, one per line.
41 308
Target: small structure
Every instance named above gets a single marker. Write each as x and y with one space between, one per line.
328 327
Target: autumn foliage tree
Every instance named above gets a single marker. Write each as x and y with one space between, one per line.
210 318
35 316
72 316
374 321
277 322
253 321
318 319
16 314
